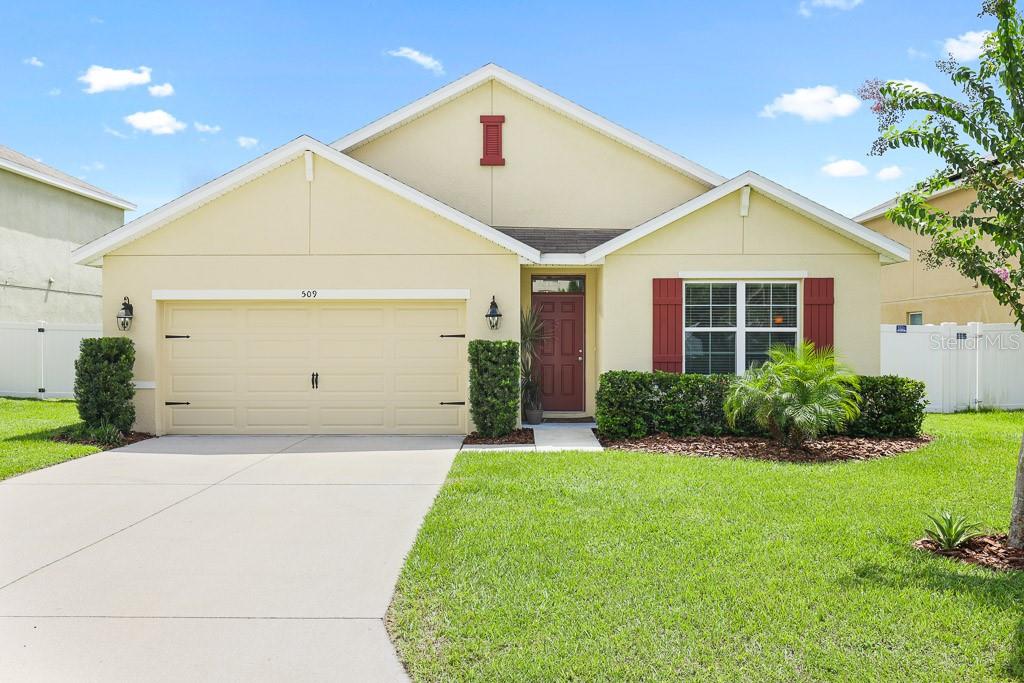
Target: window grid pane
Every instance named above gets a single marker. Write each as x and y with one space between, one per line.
710 305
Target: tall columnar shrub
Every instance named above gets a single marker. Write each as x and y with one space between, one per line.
103 383
494 387
890 406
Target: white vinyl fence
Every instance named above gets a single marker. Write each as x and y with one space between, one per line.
963 366
38 360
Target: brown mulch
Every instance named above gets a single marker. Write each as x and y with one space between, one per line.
828 449
987 551
519 437
127 439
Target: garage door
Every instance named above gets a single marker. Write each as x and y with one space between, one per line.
313 367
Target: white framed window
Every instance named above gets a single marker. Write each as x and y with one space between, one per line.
915 318
730 326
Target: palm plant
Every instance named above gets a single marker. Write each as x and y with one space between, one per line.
531 335
797 395
950 531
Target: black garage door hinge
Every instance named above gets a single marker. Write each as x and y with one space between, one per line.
453 336
453 403
176 336
177 403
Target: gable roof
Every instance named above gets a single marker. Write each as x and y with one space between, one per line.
889 250
92 252
18 163
879 210
533 91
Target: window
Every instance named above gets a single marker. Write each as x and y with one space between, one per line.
730 326
558 284
915 318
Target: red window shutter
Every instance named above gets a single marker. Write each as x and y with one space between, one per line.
668 325
819 306
492 141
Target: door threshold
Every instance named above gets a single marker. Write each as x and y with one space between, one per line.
568 418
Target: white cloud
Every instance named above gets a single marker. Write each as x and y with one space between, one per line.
94 166
967 46
820 103
102 79
807 5
156 122
205 127
914 53
165 90
913 84
95 20
33 61
890 173
116 133
245 142
54 92
844 168
424 60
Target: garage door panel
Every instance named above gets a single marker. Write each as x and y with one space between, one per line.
382 367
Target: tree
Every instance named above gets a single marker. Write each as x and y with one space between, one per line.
981 140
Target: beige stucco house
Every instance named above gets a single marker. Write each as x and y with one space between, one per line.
334 288
44 215
917 295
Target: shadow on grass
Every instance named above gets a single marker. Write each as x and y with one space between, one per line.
42 434
942 575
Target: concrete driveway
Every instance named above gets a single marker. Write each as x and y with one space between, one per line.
213 558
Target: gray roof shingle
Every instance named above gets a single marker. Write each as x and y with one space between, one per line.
562 240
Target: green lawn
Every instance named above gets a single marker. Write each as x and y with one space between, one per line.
25 428
615 566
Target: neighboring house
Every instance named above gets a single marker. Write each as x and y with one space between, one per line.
917 295
44 215
334 288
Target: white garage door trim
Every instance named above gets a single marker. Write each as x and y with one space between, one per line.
311 293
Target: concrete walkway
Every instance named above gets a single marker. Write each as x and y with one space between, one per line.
554 436
213 558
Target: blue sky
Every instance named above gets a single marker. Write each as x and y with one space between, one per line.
693 76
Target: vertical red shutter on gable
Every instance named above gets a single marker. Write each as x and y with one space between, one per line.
492 141
668 325
819 307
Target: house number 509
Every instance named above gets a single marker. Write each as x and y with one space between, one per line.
309 294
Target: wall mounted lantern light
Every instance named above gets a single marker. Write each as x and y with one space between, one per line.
493 315
125 315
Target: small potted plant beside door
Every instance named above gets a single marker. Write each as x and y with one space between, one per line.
531 336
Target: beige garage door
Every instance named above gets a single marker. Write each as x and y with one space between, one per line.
313 367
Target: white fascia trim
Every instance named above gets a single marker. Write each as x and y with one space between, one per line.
889 250
93 251
743 274
880 210
307 294
539 94
111 200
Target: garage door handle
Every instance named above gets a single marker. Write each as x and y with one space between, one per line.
453 403
177 403
453 336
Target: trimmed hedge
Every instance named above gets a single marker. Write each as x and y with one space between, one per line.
890 406
494 386
103 383
633 404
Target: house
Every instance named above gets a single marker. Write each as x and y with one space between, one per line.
914 294
44 215
333 288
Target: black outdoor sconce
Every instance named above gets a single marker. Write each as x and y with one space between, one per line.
125 315
493 315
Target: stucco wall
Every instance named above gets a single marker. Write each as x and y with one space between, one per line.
281 232
39 227
717 238
557 173
941 294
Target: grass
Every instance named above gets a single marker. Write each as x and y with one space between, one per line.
620 566
26 426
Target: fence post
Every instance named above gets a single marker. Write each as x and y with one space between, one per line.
974 332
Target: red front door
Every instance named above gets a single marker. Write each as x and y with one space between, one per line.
561 359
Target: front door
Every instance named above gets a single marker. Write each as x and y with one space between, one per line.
561 359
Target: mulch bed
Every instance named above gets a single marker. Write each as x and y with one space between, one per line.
128 439
987 551
828 449
519 437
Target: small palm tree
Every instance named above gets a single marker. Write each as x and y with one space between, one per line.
799 394
531 336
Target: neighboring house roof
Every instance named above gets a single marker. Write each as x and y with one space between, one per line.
889 250
876 211
562 240
93 251
18 163
538 94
